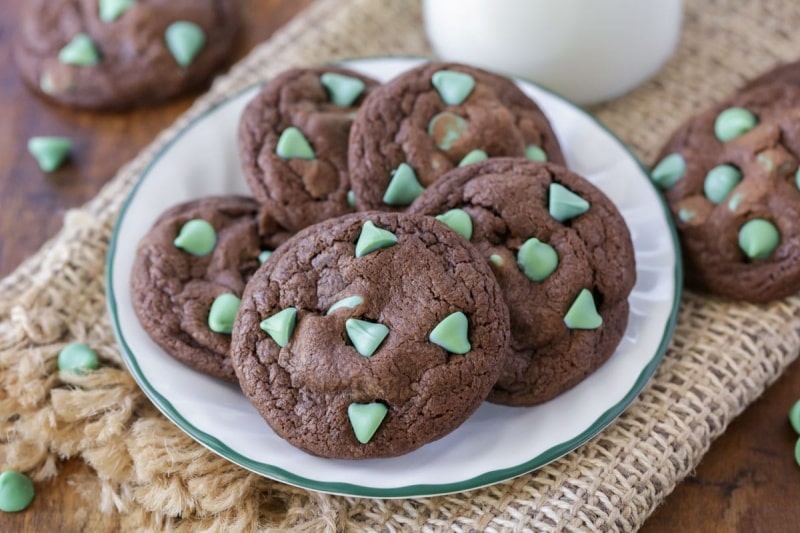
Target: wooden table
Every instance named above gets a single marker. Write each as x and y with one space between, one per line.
748 481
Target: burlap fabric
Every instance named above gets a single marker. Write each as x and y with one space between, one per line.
153 476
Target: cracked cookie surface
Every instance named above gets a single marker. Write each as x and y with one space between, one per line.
303 187
392 313
508 203
173 289
430 118
736 201
85 54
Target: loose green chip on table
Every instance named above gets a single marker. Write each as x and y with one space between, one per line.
794 416
49 152
797 452
16 491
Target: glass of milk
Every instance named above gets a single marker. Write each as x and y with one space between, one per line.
587 50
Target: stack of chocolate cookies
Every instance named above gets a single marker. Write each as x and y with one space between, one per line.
411 250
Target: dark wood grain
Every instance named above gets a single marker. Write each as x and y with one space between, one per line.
32 205
747 482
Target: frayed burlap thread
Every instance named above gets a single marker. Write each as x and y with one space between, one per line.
148 475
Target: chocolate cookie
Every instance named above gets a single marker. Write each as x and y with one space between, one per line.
104 54
370 335
190 271
564 260
293 143
730 178
788 73
433 118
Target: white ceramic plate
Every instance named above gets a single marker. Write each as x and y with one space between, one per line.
497 442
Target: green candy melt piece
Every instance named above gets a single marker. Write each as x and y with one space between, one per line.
404 186
264 255
365 336
366 418
223 313
797 178
184 40
537 259
453 87
111 10
794 416
452 333
797 452
46 84
197 237
49 152
686 215
349 302
758 238
535 153
80 51
733 122
668 171
280 326
373 238
351 198
446 129
565 204
766 162
342 90
459 221
292 144
720 181
16 491
583 314
77 357
473 157
736 199
496 260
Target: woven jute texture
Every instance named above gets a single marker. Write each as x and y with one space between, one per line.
152 476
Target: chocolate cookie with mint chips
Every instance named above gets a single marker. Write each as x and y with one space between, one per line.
433 118
370 335
189 274
113 54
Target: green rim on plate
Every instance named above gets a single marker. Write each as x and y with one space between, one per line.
420 490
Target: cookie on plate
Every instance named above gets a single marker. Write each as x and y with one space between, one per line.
433 118
563 257
111 54
730 178
189 274
293 143
370 335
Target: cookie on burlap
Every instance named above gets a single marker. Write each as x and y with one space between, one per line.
563 257
293 143
370 335
730 176
430 119
788 73
110 54
190 271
